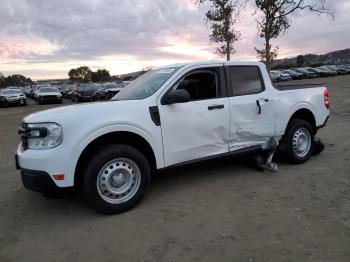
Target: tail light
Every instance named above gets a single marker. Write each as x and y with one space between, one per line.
326 99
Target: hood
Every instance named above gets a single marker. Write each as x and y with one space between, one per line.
9 95
77 112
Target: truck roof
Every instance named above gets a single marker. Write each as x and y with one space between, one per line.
189 64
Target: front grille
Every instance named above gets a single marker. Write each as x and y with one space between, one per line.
24 133
49 97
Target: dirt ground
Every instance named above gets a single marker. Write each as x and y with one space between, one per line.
221 210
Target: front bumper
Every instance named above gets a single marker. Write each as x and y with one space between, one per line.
49 99
35 180
38 181
86 98
50 162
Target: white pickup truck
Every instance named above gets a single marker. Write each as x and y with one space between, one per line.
169 116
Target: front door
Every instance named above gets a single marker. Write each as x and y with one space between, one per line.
198 128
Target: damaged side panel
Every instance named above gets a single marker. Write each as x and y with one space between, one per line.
247 126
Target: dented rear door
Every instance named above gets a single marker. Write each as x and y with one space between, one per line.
252 112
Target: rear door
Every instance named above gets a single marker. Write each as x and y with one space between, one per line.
200 127
252 113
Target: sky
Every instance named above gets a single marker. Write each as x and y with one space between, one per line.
44 39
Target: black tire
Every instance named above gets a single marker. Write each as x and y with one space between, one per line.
287 141
94 167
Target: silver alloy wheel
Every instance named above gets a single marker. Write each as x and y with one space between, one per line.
301 142
118 180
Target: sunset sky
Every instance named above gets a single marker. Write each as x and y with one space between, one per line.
44 39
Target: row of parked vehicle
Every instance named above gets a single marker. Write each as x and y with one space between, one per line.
91 92
12 95
309 72
75 92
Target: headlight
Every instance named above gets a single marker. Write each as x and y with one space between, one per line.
44 136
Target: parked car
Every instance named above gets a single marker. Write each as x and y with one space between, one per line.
293 74
275 76
84 92
167 117
37 89
344 69
67 92
114 88
61 89
48 94
318 71
340 71
27 90
101 92
329 71
306 73
12 97
284 76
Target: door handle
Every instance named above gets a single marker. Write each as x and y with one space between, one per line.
216 107
266 100
259 106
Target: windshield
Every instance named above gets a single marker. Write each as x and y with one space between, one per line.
146 85
8 92
48 89
110 86
86 88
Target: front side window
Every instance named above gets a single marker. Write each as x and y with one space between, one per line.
201 84
245 80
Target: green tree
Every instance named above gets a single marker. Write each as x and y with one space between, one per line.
16 80
81 74
300 60
2 80
276 19
222 18
101 75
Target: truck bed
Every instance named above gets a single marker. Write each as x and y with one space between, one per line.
301 86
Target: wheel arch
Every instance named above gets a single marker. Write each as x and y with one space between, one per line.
306 115
117 137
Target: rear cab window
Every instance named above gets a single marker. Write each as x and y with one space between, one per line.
244 80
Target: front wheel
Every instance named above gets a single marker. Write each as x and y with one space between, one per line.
298 141
116 178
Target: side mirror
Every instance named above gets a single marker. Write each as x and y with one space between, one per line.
176 96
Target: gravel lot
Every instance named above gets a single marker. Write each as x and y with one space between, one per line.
221 210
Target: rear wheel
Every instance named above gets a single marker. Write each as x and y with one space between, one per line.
298 142
116 178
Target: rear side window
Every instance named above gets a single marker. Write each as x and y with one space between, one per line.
245 80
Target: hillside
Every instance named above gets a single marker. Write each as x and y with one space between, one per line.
335 57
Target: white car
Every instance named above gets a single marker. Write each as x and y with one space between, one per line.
169 116
48 94
285 76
